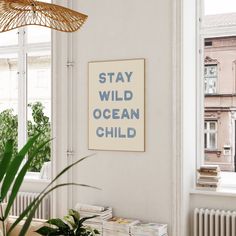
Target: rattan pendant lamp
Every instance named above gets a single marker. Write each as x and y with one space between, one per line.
18 13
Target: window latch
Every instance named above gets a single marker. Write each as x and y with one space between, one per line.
70 64
70 153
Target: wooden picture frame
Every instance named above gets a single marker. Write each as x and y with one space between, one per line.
116 103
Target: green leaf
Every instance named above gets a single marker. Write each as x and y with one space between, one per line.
21 216
59 223
15 165
20 178
75 215
6 158
86 218
70 220
45 230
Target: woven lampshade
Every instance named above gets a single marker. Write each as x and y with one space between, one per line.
18 13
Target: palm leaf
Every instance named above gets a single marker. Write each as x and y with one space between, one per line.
20 178
15 165
6 158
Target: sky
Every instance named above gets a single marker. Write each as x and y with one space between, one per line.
219 6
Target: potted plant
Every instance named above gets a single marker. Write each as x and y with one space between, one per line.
72 225
13 170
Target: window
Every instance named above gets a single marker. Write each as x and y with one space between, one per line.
25 88
218 42
210 134
210 75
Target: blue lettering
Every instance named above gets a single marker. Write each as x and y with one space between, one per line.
97 113
106 114
104 95
131 132
120 78
100 132
125 114
102 78
120 133
134 114
115 114
129 75
128 95
111 74
109 132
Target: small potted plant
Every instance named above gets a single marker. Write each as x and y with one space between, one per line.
71 225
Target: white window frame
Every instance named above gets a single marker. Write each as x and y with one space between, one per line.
204 33
208 131
22 49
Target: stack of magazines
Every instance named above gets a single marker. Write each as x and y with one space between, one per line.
102 214
118 226
208 177
149 229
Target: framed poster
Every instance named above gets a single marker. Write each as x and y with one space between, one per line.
116 105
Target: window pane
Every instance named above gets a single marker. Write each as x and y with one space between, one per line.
38 34
8 82
8 99
219 6
212 125
212 140
9 38
205 140
39 102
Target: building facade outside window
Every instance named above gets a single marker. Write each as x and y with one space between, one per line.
220 90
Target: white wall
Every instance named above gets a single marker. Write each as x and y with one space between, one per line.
136 185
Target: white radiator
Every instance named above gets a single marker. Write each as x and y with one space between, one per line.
210 222
23 199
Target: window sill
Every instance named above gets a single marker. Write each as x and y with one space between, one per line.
212 151
35 177
34 184
224 192
41 181
227 188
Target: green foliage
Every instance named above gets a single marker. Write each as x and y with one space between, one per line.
72 225
8 129
40 123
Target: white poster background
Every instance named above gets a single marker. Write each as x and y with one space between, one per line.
128 76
